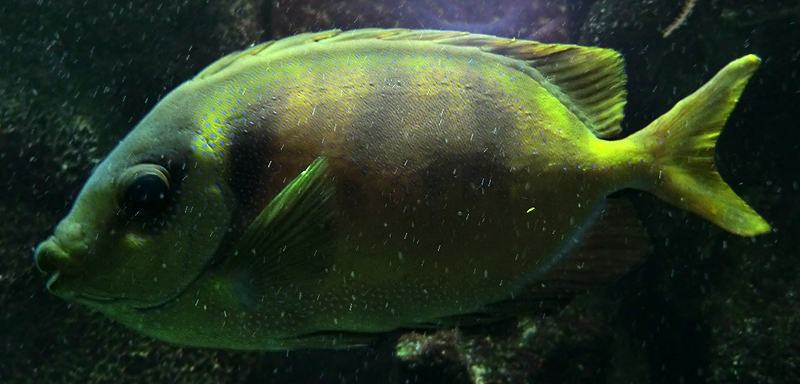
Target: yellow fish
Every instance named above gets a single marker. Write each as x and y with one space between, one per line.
318 190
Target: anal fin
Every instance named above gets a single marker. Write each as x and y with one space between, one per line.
616 242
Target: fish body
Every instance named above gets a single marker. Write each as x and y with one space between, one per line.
320 189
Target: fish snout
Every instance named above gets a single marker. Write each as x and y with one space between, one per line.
51 258
56 254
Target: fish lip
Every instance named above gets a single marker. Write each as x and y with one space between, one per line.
53 247
57 274
53 277
131 303
98 298
145 308
90 298
65 265
97 301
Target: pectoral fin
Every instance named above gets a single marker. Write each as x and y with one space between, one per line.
289 243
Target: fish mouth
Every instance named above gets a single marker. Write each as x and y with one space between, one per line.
52 280
98 301
52 258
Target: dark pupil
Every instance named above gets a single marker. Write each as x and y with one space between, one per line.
147 194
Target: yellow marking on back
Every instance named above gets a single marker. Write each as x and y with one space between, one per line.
213 124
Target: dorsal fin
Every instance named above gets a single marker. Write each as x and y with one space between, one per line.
589 81
262 49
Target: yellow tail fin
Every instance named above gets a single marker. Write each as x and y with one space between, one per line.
682 143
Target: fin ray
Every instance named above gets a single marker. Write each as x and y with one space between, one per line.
683 142
288 243
590 81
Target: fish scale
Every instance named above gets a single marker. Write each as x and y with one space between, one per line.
322 189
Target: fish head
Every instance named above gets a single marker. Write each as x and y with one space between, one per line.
148 221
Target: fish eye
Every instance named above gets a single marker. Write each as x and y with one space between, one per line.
145 189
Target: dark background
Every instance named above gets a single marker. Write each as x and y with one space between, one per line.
706 306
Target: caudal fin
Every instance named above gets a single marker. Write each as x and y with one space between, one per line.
682 142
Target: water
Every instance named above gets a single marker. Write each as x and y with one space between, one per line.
706 306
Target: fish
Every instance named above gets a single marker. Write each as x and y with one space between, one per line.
327 188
